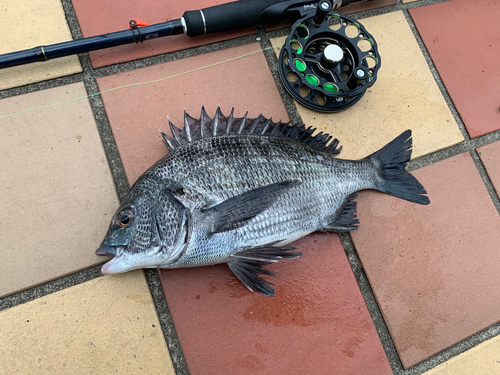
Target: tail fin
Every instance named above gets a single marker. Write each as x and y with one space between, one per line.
392 159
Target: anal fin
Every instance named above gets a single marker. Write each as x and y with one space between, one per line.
347 220
248 264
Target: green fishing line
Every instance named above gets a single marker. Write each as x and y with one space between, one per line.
141 83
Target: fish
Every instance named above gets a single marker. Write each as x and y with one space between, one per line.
240 190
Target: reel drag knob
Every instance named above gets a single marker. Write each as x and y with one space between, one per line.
332 55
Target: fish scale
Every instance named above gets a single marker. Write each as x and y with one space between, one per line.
238 190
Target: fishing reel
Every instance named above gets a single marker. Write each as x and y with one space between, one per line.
328 61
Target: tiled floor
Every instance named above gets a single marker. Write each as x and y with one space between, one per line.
413 291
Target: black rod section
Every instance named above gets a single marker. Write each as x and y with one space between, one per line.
91 44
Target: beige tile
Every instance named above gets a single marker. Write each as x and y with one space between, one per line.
409 1
56 190
483 359
405 96
104 326
31 24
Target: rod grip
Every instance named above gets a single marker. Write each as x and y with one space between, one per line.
225 17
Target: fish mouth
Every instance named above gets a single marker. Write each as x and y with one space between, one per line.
116 264
124 261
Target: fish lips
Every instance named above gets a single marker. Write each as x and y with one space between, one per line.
114 265
106 251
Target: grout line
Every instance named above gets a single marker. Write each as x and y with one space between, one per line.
43 85
371 303
71 19
452 351
486 179
107 138
50 287
166 322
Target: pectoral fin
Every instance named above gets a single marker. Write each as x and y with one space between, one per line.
239 210
248 264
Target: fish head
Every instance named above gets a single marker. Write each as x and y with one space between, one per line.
147 231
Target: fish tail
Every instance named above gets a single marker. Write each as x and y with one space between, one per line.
391 161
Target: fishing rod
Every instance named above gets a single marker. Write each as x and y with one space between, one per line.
223 17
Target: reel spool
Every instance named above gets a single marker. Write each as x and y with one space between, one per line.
328 61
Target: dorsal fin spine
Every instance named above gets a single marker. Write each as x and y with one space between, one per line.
242 124
255 123
275 129
216 121
266 125
187 129
173 129
167 141
202 120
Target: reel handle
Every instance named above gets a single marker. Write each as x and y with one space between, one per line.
246 13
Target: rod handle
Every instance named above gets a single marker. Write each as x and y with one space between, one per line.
225 17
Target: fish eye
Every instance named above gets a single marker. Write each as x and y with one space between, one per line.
123 218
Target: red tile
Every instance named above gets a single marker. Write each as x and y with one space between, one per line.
463 41
361 6
105 16
136 113
316 324
434 269
490 156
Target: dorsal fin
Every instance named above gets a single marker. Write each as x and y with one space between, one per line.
220 125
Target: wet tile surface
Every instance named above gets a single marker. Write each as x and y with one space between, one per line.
466 57
316 322
434 269
55 187
226 85
100 17
22 20
484 359
490 156
404 90
105 326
